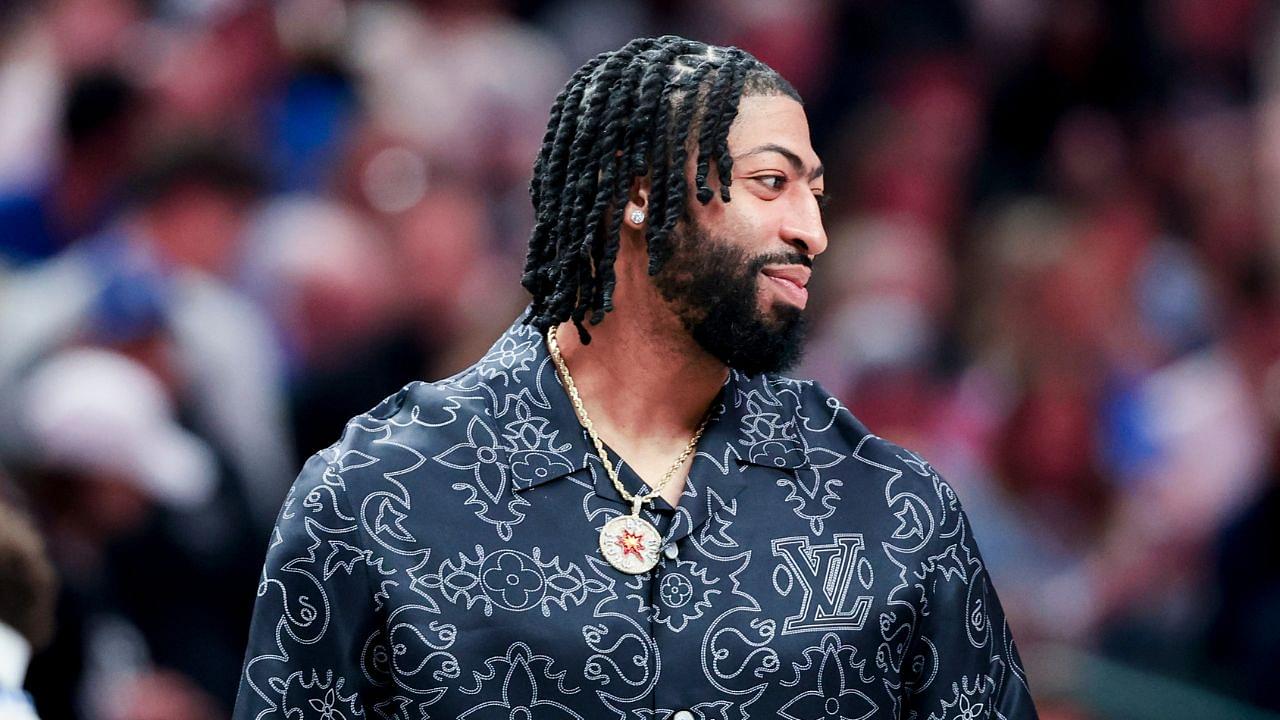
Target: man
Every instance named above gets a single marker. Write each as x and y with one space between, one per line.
741 547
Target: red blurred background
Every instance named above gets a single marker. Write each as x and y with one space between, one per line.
227 226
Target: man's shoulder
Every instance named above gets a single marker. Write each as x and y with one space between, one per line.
424 413
832 433
504 368
389 443
425 405
804 407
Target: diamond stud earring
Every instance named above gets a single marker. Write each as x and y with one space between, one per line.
637 216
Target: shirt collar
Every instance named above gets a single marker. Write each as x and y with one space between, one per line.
753 422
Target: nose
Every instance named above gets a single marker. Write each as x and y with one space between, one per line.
802 227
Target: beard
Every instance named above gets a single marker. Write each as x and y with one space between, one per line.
713 287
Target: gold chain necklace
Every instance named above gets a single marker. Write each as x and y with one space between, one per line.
629 542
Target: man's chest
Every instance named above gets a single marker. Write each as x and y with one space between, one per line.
766 588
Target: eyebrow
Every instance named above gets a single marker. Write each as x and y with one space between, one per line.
791 157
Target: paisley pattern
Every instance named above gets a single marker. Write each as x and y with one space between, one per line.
441 560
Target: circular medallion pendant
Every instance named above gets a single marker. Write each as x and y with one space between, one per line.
630 543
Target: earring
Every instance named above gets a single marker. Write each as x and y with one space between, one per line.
637 216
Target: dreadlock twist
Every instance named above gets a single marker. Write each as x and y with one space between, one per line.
636 111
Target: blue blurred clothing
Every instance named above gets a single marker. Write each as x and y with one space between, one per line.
308 123
441 560
32 230
29 235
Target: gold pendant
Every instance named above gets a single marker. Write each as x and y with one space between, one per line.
630 543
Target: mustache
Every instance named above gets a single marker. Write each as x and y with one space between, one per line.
780 258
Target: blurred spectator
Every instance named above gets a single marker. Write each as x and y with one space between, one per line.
90 413
335 301
46 215
44 47
156 285
453 280
363 311
220 62
889 292
308 123
26 608
442 74
103 455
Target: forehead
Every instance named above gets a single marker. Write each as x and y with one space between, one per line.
771 120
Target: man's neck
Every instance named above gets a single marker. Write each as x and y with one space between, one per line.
642 379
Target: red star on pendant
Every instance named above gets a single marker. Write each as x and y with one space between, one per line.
629 542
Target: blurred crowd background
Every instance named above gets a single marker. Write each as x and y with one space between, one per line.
227 226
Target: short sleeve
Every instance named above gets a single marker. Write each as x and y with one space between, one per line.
315 608
962 661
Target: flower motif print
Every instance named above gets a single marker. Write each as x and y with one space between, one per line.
532 466
968 710
968 701
508 358
831 697
511 581
478 453
511 353
689 588
676 590
481 455
521 672
767 435
326 707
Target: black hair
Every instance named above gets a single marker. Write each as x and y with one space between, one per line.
639 110
100 104
205 161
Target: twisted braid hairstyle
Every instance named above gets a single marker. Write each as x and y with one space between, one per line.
641 110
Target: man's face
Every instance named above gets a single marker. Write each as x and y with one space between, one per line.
737 273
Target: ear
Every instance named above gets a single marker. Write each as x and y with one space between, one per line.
635 213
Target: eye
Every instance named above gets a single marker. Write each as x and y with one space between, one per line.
773 182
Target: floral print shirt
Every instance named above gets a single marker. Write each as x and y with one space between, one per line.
441 560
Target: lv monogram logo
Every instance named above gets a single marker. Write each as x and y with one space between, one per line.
825 574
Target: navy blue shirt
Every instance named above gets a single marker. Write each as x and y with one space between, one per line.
442 561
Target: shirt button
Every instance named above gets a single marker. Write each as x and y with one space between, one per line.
672 552
682 714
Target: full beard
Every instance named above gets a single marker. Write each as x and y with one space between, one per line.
713 287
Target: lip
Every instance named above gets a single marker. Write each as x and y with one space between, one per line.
791 281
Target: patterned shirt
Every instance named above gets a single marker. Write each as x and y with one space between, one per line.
442 560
